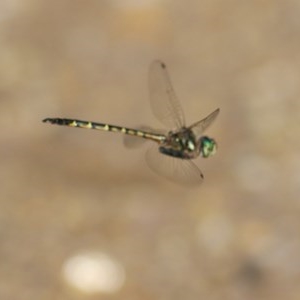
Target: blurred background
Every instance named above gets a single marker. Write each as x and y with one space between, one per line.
83 217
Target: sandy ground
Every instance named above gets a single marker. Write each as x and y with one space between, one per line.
67 192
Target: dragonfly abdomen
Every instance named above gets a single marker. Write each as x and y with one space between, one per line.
105 127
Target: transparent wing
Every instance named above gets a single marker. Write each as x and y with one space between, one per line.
132 142
163 100
199 127
182 171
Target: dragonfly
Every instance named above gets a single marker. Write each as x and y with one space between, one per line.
172 149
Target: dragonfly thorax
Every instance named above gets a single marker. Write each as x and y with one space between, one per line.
181 144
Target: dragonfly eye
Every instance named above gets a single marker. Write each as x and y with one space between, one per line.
208 146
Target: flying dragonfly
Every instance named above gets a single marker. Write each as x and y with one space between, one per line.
174 149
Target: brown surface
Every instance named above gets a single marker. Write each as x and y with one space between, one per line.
64 189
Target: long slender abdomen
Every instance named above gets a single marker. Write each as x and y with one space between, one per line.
105 127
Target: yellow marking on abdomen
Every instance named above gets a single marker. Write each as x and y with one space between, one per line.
140 133
114 129
87 125
73 124
129 131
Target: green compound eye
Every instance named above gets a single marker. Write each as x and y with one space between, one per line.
208 146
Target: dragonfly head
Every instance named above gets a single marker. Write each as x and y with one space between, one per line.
208 146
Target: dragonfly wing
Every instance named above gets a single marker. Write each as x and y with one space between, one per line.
132 142
199 127
164 103
182 171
